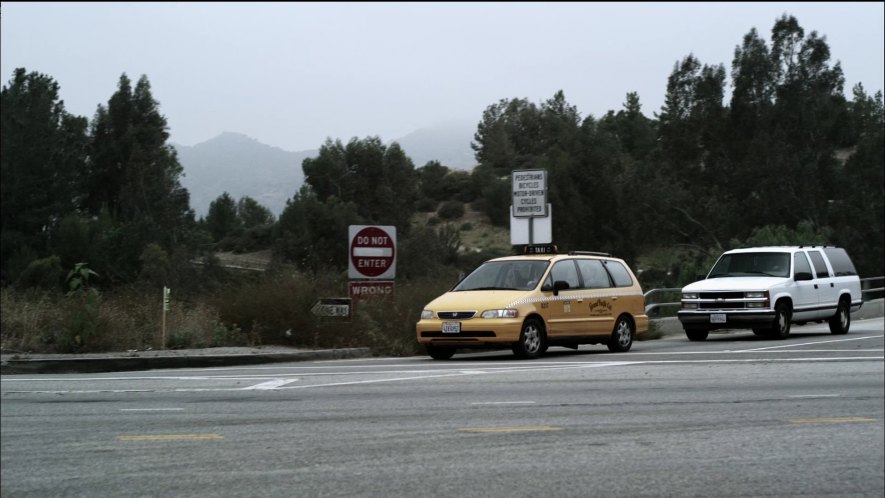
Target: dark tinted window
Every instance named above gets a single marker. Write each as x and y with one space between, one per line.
800 264
619 274
840 261
820 268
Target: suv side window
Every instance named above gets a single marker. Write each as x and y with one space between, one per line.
800 264
565 270
619 274
819 266
840 261
594 275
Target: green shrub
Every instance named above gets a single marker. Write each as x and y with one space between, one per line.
451 210
426 205
45 273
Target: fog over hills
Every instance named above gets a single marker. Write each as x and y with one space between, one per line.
241 165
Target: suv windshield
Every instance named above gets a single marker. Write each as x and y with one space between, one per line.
504 275
772 264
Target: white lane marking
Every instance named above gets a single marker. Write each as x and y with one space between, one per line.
566 366
815 396
273 384
505 403
810 343
151 409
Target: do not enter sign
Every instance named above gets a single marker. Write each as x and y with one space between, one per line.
372 252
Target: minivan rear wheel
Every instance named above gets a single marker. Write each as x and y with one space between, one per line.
622 336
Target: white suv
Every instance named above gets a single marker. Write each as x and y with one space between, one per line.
768 288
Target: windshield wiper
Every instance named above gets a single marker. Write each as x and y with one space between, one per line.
490 288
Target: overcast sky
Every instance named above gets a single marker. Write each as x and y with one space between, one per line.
292 74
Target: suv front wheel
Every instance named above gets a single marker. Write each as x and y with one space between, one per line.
783 314
697 334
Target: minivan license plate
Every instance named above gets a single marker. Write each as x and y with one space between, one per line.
451 327
717 318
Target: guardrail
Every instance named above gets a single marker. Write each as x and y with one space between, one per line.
866 289
653 309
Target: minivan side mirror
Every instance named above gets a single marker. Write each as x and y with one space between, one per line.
559 285
802 275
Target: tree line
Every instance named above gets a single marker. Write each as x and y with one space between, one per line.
788 159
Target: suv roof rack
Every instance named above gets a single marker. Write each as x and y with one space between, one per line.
588 253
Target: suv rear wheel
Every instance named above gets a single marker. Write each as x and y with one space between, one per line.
841 321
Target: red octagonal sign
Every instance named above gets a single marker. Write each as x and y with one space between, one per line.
372 252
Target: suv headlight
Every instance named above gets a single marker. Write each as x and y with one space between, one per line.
755 295
690 295
426 315
508 313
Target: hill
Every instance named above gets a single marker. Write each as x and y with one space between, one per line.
240 165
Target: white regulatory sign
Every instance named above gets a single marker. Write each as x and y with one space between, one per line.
529 193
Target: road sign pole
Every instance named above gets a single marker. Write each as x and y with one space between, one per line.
163 329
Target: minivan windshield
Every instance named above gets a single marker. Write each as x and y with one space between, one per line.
504 275
745 264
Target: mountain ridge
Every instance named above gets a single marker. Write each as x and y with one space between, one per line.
241 165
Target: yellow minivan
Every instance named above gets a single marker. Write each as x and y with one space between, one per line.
534 301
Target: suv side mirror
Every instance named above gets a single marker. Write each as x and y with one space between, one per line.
802 275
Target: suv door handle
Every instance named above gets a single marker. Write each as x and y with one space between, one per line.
831 284
815 286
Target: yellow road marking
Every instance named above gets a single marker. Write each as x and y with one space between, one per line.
530 428
169 437
830 420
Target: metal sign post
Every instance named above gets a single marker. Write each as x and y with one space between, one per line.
166 292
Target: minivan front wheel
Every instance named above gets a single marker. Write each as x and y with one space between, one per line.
532 340
439 352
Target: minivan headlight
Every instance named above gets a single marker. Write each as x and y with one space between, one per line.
426 315
507 313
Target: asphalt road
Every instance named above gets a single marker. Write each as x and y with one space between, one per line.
733 416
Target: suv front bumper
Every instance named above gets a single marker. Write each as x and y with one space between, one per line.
733 319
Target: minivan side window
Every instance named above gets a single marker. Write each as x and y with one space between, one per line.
800 264
819 266
840 261
594 275
565 270
619 274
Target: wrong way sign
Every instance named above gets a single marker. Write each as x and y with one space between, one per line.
372 252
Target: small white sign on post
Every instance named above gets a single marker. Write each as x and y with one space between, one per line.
529 193
532 230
